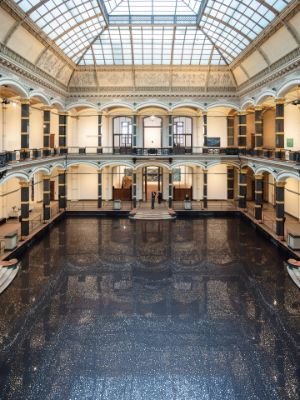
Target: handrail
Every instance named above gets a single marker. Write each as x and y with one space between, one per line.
8 157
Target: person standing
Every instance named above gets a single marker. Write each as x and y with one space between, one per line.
153 195
159 197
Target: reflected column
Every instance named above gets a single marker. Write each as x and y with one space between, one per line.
205 188
24 209
99 189
62 189
46 198
230 183
258 196
134 189
170 189
280 218
242 188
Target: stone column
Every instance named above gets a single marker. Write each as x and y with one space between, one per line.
134 189
204 128
279 128
230 183
170 189
99 149
62 201
134 132
46 129
62 133
258 196
24 209
242 134
205 188
280 218
258 130
243 188
170 141
99 189
46 198
25 111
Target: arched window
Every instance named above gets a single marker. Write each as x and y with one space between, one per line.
122 132
182 132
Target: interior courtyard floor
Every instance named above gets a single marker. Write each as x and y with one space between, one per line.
108 309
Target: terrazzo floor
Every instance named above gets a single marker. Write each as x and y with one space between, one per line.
113 309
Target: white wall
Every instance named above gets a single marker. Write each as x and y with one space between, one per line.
82 183
10 196
217 183
36 128
291 197
197 183
11 129
87 128
217 127
292 125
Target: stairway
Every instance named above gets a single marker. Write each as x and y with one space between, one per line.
7 275
146 213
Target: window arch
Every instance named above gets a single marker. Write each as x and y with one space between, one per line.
182 132
122 132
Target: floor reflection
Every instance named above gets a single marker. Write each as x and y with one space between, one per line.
186 309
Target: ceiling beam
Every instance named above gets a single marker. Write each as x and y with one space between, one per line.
201 11
104 11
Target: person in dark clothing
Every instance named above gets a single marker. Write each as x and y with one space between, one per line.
187 197
159 197
153 195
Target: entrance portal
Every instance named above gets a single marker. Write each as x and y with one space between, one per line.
152 181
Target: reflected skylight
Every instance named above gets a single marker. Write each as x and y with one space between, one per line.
116 32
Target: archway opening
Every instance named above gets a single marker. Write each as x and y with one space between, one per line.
152 181
152 132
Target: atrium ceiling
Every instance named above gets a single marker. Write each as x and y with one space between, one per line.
152 32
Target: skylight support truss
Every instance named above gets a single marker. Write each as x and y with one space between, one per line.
152 32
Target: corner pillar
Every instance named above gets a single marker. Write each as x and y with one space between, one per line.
24 209
46 198
258 197
279 128
280 218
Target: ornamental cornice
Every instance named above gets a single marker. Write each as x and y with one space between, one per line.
291 10
17 63
204 95
280 68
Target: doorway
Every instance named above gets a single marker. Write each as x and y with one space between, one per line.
152 132
152 181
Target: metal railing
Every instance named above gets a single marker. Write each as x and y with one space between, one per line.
8 157
35 222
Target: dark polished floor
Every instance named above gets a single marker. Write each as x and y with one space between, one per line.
181 310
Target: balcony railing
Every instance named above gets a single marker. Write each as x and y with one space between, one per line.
9 157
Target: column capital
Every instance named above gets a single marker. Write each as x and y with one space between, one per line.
61 170
279 101
24 184
25 101
243 170
280 183
46 176
258 176
244 112
258 108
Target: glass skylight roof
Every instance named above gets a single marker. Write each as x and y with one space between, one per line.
116 32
